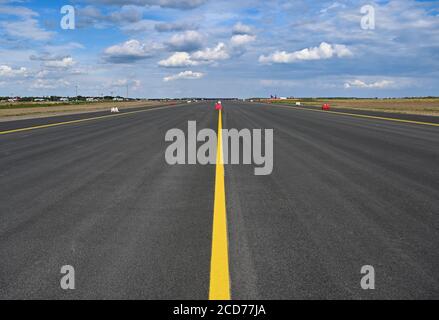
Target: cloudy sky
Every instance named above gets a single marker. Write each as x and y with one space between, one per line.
219 48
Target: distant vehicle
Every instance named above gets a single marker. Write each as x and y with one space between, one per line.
117 99
298 103
326 107
219 106
90 99
39 100
189 101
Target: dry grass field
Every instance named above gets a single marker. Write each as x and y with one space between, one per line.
408 106
33 110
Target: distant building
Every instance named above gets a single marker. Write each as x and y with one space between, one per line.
64 99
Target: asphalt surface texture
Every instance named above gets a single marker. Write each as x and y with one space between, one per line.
394 115
345 192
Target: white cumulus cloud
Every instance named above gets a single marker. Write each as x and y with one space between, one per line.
241 29
26 29
129 51
187 75
206 56
63 63
242 39
187 41
9 72
212 54
178 59
324 51
382 84
175 4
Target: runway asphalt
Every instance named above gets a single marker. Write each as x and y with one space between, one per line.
98 195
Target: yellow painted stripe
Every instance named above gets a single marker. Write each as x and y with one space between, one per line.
363 116
81 120
219 264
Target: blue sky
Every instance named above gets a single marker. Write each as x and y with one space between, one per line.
246 48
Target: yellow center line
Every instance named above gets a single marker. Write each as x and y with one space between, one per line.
81 120
219 265
363 116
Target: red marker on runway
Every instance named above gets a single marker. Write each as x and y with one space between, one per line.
219 106
326 107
